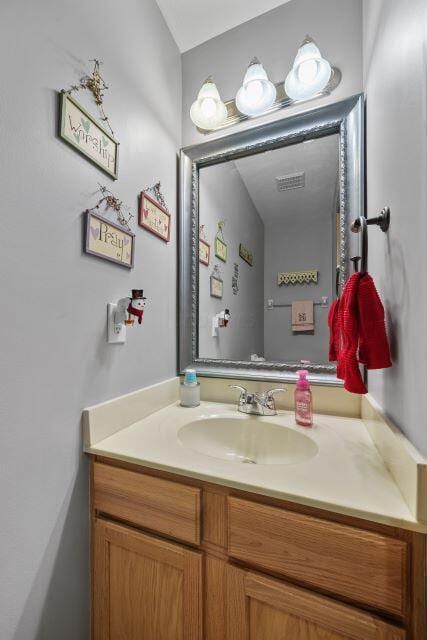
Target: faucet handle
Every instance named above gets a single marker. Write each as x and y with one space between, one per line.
271 392
243 391
270 396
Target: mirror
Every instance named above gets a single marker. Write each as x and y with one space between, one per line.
277 213
264 234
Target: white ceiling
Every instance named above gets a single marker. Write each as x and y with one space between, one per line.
319 158
194 21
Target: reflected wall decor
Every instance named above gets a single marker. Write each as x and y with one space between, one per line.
204 252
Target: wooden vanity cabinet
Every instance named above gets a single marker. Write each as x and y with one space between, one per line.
259 607
174 558
144 587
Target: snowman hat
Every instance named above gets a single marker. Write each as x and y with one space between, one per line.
138 294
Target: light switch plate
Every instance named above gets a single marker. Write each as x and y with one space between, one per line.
116 333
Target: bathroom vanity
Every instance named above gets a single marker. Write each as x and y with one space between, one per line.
208 524
190 544
176 558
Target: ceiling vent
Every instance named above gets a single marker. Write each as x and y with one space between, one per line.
291 181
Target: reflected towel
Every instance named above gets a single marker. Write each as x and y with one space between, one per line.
303 315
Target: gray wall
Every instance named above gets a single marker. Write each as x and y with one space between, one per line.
55 359
395 81
274 37
295 245
223 196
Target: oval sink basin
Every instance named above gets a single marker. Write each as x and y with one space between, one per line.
247 440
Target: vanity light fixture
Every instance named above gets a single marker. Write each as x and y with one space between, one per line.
310 77
310 72
257 94
208 111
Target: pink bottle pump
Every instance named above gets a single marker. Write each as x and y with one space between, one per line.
303 400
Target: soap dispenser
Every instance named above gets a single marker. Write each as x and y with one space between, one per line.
303 400
189 390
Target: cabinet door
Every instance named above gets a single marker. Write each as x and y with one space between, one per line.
259 607
144 588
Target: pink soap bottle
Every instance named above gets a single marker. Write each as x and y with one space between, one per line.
303 401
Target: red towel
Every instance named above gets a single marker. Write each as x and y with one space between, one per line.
357 332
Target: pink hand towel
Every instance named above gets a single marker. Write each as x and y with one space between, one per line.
302 315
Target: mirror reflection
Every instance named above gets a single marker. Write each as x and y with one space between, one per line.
268 253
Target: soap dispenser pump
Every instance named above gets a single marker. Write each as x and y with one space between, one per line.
189 390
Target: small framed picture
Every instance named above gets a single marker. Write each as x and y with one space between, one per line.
217 287
154 217
220 249
204 252
109 241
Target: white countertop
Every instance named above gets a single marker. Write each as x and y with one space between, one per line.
346 476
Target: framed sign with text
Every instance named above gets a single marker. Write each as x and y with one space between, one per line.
82 131
108 240
245 254
217 287
220 249
154 217
204 252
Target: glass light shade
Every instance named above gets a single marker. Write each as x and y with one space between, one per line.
310 72
208 111
257 93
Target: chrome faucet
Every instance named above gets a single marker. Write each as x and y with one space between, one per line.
259 404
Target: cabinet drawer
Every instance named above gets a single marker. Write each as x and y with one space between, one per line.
366 567
160 505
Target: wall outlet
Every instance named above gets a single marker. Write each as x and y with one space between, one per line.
116 333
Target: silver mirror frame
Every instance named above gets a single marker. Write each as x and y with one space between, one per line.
347 119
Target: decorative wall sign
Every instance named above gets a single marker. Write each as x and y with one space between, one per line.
204 246
216 283
217 287
220 245
234 279
108 240
204 252
154 216
220 249
79 129
245 254
298 277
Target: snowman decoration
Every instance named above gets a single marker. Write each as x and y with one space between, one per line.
136 306
224 318
220 320
130 308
